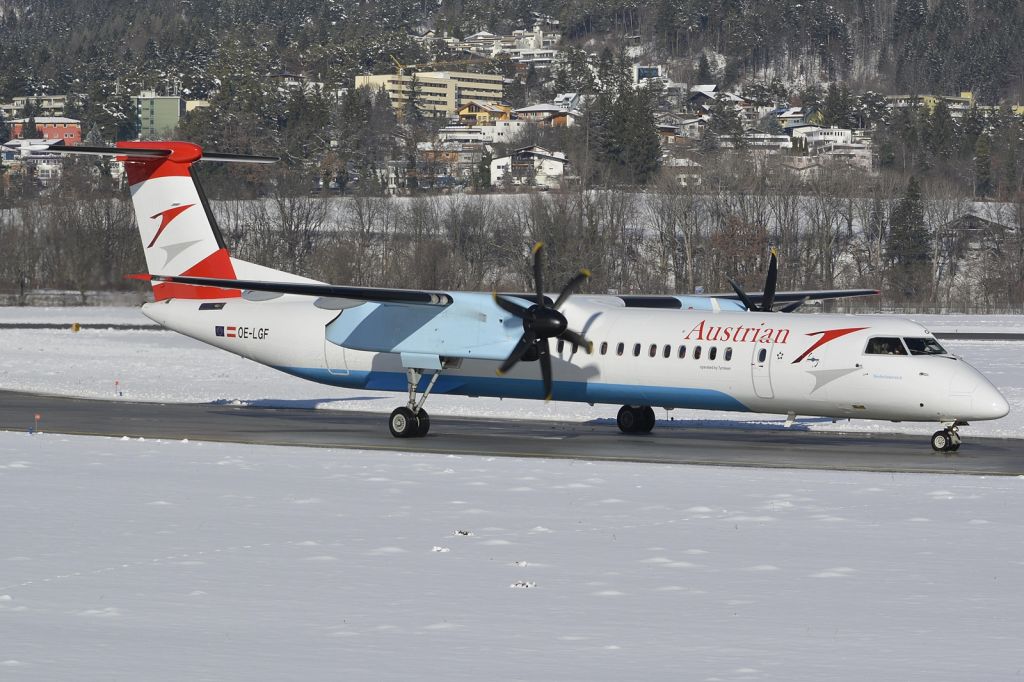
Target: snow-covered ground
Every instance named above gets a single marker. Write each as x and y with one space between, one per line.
129 560
167 367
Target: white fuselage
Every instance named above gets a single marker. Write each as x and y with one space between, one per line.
806 364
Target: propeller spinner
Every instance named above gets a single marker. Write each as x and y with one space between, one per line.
541 321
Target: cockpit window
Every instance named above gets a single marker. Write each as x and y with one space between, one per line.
885 345
924 346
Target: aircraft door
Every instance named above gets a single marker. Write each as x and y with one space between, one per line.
760 370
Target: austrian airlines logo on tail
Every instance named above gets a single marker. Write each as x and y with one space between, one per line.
165 219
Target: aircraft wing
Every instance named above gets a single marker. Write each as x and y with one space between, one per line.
813 295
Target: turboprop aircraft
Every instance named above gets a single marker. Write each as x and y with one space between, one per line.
737 352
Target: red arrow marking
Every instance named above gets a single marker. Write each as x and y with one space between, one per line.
167 216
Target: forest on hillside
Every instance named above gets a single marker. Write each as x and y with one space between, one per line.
938 225
101 50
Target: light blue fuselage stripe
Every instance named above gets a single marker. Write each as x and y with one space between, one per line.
504 387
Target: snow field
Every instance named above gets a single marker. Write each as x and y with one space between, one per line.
164 560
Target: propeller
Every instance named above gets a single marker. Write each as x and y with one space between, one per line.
768 297
542 321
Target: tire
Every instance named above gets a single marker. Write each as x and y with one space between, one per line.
403 423
628 419
941 441
423 423
647 419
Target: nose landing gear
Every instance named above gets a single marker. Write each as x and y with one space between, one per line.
946 440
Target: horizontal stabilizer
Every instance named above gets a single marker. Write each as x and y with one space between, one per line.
154 152
374 294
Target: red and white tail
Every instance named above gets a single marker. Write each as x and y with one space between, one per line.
179 233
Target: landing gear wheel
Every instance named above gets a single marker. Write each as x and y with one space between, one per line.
942 441
403 423
628 419
423 420
647 419
635 419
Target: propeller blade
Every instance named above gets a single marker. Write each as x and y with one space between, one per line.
570 288
742 294
577 338
538 275
510 306
525 341
790 307
770 281
544 355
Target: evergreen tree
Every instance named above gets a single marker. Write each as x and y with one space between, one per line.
29 131
641 144
908 246
5 132
983 184
942 131
704 75
838 108
971 127
724 122
810 97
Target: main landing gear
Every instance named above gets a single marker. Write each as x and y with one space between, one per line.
635 419
411 420
946 440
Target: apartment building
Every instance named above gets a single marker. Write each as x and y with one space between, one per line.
436 93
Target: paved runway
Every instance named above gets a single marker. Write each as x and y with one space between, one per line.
670 443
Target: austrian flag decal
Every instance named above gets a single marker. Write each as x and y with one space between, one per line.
245 333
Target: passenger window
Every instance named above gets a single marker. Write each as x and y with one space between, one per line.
728 354
762 355
653 351
604 348
636 350
696 352
885 345
712 352
619 349
682 352
668 351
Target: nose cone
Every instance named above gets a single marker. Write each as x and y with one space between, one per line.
972 397
988 403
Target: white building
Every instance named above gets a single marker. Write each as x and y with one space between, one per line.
818 139
495 133
529 166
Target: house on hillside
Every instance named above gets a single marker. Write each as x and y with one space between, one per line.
530 166
483 113
548 115
538 113
795 117
686 172
50 128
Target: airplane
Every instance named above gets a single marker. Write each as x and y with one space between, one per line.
737 352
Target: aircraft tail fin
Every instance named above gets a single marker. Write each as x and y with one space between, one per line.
178 230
